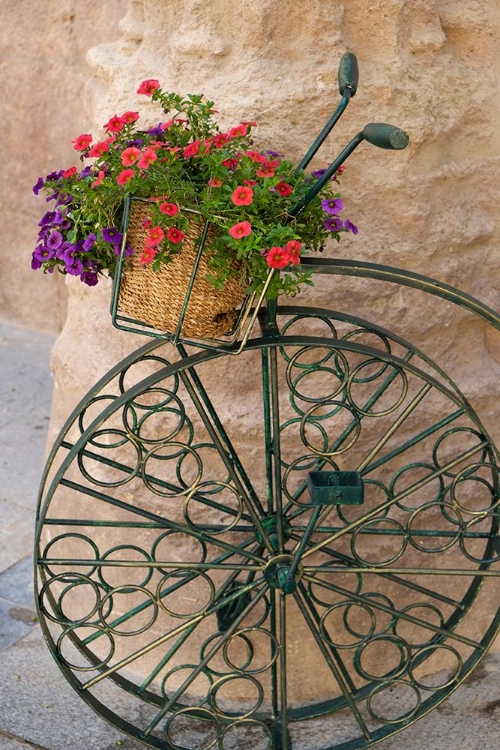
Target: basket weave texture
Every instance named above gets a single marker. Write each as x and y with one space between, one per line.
156 297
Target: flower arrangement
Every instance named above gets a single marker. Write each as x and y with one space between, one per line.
185 162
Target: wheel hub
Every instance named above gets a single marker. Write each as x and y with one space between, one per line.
277 573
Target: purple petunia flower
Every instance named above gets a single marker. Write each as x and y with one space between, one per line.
54 240
137 142
89 242
53 176
89 277
42 252
128 249
74 267
35 262
332 205
47 219
158 130
65 250
86 172
58 218
111 234
38 186
334 224
318 173
350 226
272 153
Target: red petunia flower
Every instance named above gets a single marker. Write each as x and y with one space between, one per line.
130 117
278 257
239 130
256 156
175 235
98 149
69 172
155 236
191 149
148 255
125 176
230 163
82 142
169 208
215 182
283 188
147 158
99 179
220 140
147 87
242 229
130 155
114 124
265 171
242 196
294 247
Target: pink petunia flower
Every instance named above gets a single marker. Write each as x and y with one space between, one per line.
114 124
155 236
98 149
147 87
171 209
175 235
242 196
215 182
230 163
148 255
125 176
242 229
130 155
69 172
82 142
147 158
278 257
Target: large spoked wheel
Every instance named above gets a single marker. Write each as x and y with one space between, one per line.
322 578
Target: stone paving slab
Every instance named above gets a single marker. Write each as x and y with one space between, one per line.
38 705
16 584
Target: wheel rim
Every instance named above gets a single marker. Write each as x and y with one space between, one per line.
333 593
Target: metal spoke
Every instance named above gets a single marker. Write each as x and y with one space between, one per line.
164 522
305 607
397 498
180 629
394 612
203 663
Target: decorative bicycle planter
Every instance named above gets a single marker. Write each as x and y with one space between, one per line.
326 598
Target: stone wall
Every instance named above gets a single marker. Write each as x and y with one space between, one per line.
42 47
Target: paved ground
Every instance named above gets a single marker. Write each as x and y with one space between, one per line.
38 709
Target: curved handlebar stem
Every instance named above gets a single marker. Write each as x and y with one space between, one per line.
385 136
348 74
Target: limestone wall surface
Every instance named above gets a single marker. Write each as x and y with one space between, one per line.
42 47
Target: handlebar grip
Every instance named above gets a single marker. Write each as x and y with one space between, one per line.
348 74
385 136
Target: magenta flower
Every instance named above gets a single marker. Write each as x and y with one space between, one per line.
332 205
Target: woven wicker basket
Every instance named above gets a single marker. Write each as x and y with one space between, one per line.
156 298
